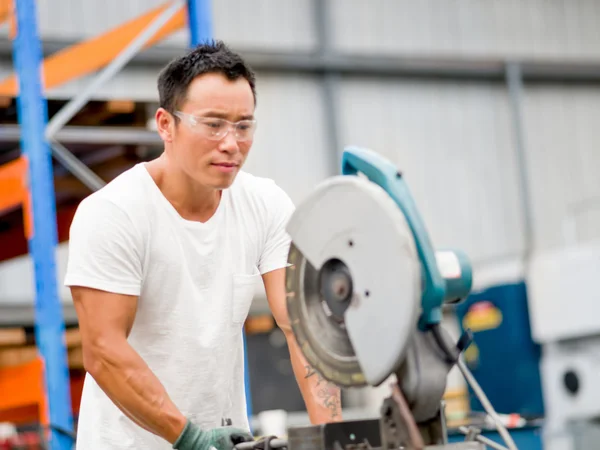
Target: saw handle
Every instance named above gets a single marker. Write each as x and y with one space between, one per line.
382 172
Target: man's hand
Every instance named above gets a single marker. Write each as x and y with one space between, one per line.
322 398
222 438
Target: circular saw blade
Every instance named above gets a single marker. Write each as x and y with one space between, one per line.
322 338
353 281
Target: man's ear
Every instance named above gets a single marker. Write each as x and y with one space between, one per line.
165 124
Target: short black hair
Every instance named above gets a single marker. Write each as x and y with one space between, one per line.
212 57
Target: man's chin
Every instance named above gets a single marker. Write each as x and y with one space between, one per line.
224 182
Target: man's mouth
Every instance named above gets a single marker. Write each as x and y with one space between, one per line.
225 166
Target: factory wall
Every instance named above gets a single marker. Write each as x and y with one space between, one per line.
263 24
454 141
291 144
563 157
538 28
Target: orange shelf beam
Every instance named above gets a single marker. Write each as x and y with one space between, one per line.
6 10
22 387
91 55
13 190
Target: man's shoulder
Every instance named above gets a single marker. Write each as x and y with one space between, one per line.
125 190
125 194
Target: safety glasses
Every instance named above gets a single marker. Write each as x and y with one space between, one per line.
215 128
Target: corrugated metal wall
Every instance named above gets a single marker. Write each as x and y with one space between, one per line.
291 138
264 24
563 147
539 28
453 140
545 28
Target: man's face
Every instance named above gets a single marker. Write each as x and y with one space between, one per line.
196 143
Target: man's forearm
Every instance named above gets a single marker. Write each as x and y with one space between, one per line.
322 398
326 395
127 380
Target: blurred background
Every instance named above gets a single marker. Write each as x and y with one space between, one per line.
490 109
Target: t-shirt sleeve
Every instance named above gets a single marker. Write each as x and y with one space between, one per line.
105 249
277 244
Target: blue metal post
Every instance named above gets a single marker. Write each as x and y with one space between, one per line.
201 31
49 322
199 21
247 380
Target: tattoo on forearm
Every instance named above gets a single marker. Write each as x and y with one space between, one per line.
328 393
310 372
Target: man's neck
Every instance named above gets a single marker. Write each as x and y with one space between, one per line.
192 201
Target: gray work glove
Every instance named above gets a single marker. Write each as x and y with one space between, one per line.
221 438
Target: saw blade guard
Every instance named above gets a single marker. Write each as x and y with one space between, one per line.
354 281
382 172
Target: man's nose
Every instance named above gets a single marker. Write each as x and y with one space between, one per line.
229 143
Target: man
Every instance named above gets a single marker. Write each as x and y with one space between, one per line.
163 263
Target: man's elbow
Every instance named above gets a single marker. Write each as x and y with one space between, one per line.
98 355
283 323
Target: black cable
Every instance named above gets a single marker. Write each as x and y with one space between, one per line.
451 356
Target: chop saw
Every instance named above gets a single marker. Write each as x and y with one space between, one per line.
365 291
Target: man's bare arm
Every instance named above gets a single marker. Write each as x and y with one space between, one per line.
105 320
322 398
326 394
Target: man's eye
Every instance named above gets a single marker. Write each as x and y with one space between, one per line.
213 124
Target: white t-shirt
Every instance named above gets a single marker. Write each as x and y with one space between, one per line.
195 283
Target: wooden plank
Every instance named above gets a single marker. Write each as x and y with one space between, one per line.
97 113
72 337
19 355
90 55
120 106
16 356
75 356
12 337
15 349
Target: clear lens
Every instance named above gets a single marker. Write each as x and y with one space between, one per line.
244 130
